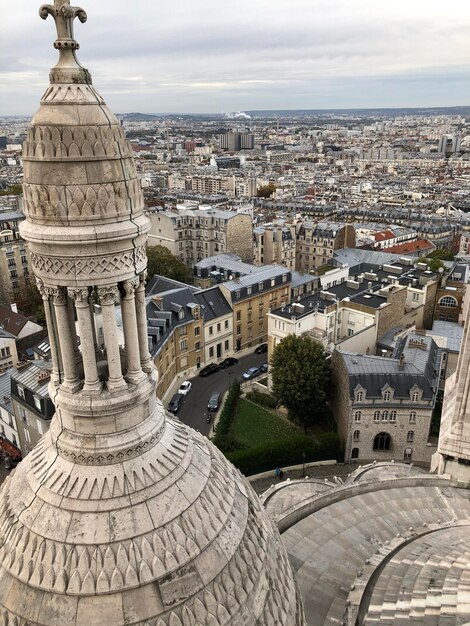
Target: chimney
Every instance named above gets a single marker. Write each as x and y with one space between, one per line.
401 363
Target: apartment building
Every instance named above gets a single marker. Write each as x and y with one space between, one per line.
274 244
32 407
8 428
193 233
187 328
251 297
317 242
383 406
17 324
236 140
8 351
450 294
14 255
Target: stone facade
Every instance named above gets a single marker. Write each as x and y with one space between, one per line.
383 407
192 234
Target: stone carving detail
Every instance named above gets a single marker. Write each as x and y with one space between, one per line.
83 201
108 295
95 267
129 287
76 142
60 296
80 296
72 93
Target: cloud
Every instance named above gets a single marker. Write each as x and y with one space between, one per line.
208 55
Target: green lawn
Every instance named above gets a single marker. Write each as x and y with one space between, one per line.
253 425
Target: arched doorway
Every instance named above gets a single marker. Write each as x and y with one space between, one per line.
355 453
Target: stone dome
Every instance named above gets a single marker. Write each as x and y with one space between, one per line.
173 537
120 515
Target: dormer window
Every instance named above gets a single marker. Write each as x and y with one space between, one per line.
387 396
360 395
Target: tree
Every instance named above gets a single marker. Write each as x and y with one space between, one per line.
266 191
28 299
301 378
161 261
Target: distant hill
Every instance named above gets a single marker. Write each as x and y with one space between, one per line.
388 112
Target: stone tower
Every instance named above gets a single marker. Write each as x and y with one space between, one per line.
452 458
120 515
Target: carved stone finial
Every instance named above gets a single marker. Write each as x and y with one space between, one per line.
68 69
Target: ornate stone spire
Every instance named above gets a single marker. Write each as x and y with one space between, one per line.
120 515
68 69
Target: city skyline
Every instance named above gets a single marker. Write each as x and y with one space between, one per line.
210 58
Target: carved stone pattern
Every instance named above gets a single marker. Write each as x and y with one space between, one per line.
84 458
83 201
129 287
80 296
60 296
76 142
108 295
72 93
94 267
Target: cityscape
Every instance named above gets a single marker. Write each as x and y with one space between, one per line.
234 355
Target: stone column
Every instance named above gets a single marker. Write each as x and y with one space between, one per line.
134 371
107 297
85 329
145 360
66 339
47 293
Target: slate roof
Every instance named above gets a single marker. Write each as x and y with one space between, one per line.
28 377
372 373
5 390
213 304
12 322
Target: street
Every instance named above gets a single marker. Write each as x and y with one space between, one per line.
194 409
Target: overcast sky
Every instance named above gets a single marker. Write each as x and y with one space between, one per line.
211 56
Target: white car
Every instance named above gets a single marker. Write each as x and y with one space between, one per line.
185 388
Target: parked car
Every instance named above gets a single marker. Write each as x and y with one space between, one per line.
228 362
263 368
262 348
214 401
175 403
185 388
251 373
212 368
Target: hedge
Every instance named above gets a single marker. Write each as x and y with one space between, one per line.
221 438
290 451
264 399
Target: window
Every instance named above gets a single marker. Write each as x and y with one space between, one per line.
448 302
413 417
239 316
211 330
356 435
37 402
393 416
407 455
218 328
387 396
184 344
21 392
5 352
197 330
382 441
260 286
27 436
237 294
183 331
248 291
197 345
239 330
384 416
350 332
227 344
357 416
359 396
377 416
414 396
39 427
226 324
211 351
410 435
